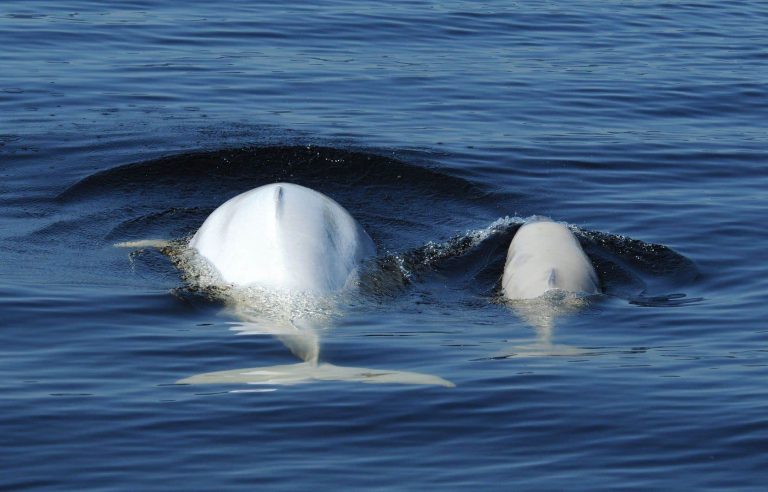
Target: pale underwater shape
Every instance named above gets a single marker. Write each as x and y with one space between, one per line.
306 371
542 313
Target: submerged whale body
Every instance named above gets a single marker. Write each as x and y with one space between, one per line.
296 247
284 237
544 256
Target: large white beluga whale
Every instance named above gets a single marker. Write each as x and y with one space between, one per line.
282 256
547 274
284 237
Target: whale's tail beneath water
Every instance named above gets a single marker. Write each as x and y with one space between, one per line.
308 371
302 338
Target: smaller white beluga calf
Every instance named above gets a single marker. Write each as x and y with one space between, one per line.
546 275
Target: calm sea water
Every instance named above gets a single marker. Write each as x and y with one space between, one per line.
440 126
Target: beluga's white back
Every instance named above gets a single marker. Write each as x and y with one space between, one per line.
284 237
545 256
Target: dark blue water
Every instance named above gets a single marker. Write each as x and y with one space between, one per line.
440 126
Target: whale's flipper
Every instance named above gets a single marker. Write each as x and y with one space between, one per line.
307 371
144 243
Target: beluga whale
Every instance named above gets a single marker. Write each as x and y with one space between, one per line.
284 237
547 274
544 256
283 257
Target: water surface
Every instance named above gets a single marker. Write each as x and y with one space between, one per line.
440 127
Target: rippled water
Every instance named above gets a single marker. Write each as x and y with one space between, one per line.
440 127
